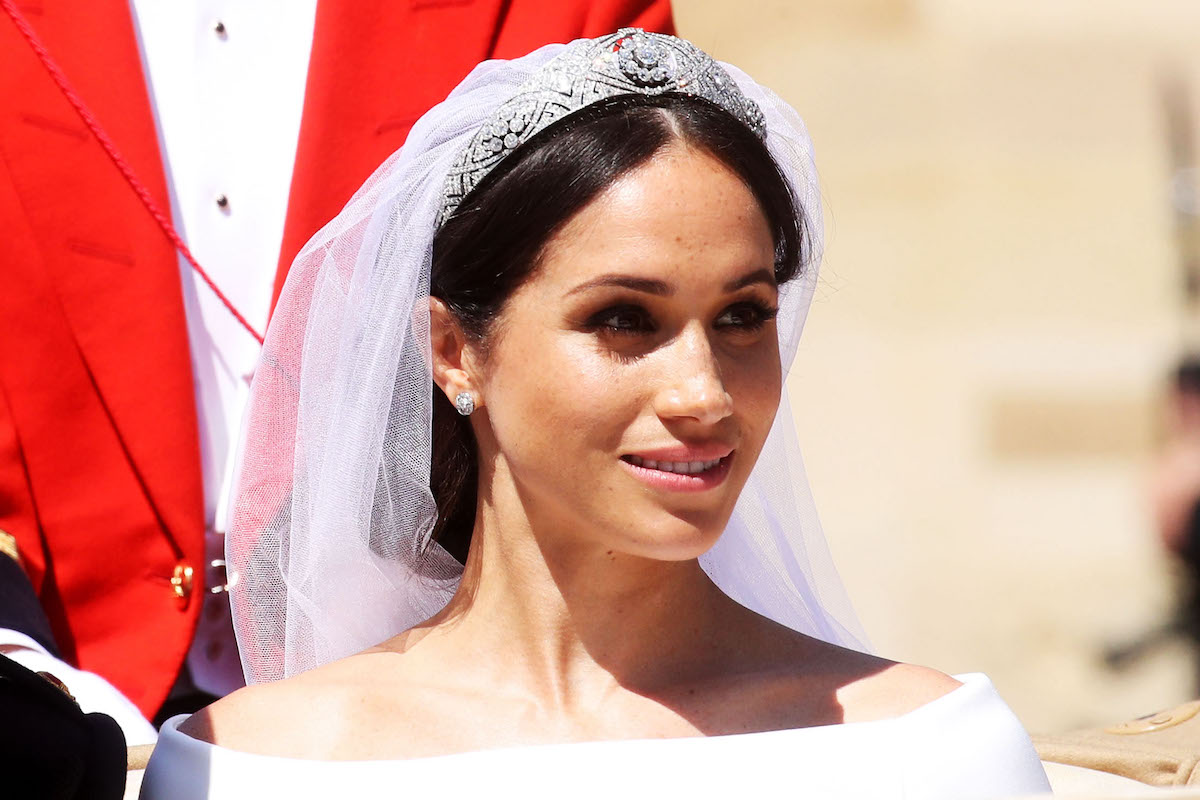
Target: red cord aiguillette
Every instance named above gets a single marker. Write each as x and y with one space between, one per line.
139 189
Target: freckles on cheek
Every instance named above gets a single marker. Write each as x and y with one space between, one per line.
544 382
586 403
757 390
586 382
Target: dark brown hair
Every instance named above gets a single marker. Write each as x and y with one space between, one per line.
494 240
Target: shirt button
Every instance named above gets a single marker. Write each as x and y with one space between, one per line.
219 28
222 202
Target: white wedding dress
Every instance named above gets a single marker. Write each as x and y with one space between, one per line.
965 744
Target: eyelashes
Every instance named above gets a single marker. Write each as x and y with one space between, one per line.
622 320
746 316
749 315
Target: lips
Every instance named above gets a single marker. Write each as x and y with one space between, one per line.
686 469
683 453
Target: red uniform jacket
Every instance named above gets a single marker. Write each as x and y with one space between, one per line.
99 457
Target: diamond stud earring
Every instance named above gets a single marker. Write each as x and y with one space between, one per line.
465 403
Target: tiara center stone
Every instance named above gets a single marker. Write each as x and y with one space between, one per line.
645 62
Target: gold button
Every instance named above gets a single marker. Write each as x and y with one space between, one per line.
8 547
181 582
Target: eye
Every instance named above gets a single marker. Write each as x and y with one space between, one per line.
750 315
622 320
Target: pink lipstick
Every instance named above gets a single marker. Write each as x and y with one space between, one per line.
681 469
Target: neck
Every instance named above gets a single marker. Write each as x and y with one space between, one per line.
571 620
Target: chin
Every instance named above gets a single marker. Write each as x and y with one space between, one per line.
675 539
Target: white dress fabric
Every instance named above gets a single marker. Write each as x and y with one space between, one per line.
965 744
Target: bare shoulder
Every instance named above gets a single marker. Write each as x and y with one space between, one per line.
300 717
826 683
892 689
866 687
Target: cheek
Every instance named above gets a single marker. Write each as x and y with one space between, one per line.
553 398
754 380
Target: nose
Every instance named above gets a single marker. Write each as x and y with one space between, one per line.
693 388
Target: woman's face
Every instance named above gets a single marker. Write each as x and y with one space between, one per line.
631 381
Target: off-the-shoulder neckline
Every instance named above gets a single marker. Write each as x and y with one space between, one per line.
972 684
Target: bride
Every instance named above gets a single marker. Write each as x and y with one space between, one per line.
519 502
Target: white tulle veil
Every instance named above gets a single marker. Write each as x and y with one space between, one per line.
331 499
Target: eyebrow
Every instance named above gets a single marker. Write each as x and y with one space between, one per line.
758 276
657 287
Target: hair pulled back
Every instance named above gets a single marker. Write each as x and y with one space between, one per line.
495 239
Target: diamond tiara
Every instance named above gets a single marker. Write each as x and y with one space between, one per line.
628 62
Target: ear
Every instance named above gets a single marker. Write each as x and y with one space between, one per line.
452 357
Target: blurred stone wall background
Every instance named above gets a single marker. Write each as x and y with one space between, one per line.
978 391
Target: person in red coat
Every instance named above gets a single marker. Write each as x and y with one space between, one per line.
104 495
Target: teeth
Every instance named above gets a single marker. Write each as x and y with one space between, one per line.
681 467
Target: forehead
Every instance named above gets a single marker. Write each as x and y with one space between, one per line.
683 217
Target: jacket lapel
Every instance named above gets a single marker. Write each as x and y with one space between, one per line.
359 104
115 273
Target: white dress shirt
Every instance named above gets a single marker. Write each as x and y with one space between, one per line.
226 81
